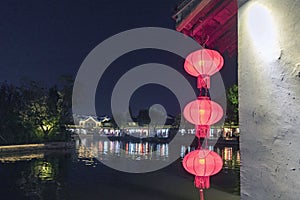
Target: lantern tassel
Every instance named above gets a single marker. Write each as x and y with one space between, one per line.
201 194
203 81
202 131
202 182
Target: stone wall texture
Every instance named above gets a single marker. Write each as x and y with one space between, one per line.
269 95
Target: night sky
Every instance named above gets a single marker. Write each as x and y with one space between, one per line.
42 40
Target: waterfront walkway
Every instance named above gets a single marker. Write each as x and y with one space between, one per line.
33 147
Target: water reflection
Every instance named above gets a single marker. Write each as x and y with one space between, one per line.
40 179
103 149
231 158
61 176
228 178
44 170
14 158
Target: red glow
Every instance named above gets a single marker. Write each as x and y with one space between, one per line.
204 62
203 111
202 163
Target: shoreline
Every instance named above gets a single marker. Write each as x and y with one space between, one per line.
27 148
23 148
215 142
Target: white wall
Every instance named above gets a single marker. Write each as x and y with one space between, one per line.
269 89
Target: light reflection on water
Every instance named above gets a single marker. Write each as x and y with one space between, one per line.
102 149
228 179
68 175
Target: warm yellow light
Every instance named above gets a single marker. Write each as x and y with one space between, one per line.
47 127
202 161
201 111
44 170
262 30
201 62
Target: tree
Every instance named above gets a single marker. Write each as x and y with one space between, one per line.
232 115
41 109
11 129
184 123
143 117
65 102
33 112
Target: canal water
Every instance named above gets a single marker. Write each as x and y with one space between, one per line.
77 175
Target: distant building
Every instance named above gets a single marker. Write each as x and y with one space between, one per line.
90 123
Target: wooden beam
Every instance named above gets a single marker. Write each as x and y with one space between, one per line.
219 9
226 38
223 29
193 14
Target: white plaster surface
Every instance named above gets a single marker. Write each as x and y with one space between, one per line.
269 99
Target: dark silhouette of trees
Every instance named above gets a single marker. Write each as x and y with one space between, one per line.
11 127
34 113
232 115
143 117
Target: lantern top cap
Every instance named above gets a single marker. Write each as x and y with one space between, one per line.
203 98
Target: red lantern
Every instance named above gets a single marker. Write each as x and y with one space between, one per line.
202 64
202 163
203 112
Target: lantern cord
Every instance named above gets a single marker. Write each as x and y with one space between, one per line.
204 43
206 139
199 143
205 143
201 194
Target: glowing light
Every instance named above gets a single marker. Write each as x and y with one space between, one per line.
262 30
209 163
203 62
46 127
203 112
44 170
202 161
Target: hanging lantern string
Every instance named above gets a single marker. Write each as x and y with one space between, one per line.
196 65
204 43
206 138
203 92
204 144
201 194
206 92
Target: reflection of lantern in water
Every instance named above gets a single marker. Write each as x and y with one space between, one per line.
238 157
227 153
